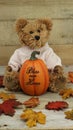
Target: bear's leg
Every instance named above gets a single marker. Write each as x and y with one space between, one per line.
11 80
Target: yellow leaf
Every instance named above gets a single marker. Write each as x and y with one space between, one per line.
6 96
32 117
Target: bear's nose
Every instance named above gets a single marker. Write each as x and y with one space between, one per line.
37 37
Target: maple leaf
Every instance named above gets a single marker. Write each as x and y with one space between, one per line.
31 123
57 105
41 117
66 93
7 107
32 117
69 114
32 102
70 76
1 81
6 96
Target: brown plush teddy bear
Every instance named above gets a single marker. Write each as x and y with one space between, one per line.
34 36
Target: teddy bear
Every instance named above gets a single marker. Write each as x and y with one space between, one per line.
34 36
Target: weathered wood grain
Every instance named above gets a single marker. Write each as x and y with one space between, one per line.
10 9
8 35
64 51
34 2
62 32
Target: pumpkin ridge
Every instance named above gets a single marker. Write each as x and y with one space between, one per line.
34 88
45 81
32 64
22 73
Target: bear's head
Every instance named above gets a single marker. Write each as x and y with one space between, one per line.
33 33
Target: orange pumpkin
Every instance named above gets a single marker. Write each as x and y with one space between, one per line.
34 76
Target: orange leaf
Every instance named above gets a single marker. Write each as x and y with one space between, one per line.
70 76
32 102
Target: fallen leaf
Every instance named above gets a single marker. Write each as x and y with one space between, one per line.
6 96
66 93
32 102
32 117
41 117
57 105
70 76
31 123
7 107
69 114
1 81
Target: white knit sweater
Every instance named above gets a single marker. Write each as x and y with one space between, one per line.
46 54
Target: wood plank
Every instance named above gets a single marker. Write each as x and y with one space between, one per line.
64 51
36 9
35 2
62 32
8 35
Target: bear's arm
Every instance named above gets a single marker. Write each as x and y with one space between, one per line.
52 59
14 61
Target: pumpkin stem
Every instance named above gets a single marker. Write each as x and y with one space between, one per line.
33 55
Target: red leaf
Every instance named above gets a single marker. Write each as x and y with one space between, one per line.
7 107
57 105
1 80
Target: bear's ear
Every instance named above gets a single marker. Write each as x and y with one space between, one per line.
20 23
47 22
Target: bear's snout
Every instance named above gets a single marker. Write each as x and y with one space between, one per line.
37 37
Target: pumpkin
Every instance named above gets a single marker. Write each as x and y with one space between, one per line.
34 76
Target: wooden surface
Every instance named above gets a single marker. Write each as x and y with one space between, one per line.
55 120
61 13
13 9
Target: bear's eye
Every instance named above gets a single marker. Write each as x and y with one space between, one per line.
31 32
38 31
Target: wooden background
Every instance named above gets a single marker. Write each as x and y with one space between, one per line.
61 13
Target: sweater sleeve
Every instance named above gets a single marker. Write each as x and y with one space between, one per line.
52 59
14 61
